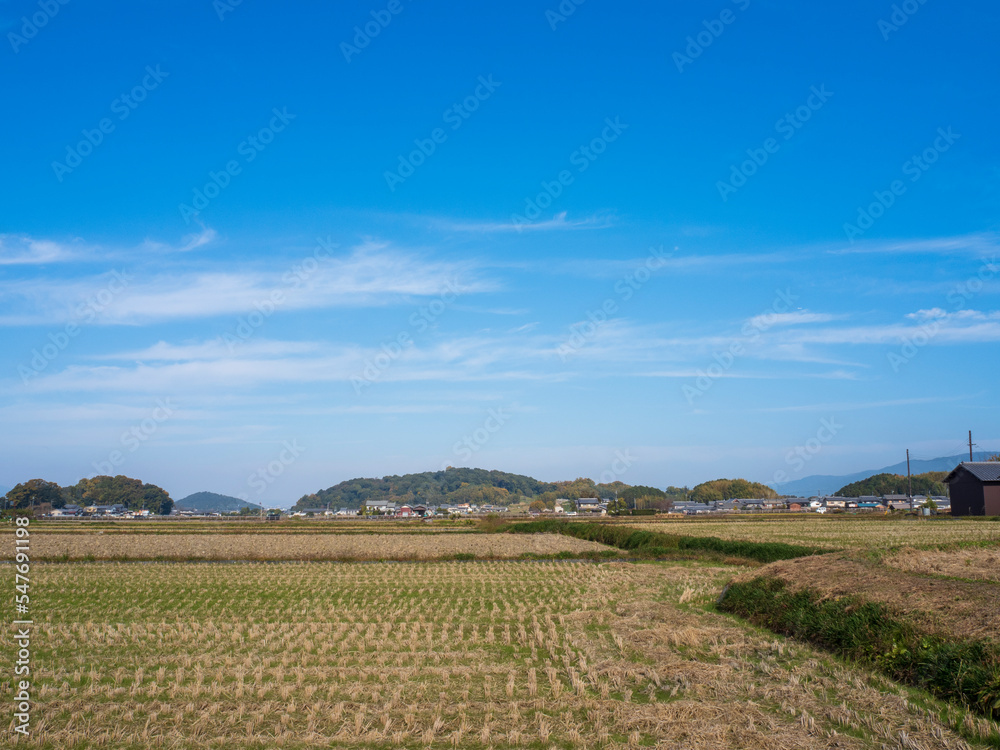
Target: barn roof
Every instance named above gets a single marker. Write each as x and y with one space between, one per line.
984 471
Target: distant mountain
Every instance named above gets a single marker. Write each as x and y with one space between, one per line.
210 502
825 484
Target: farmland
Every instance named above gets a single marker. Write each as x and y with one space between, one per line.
438 653
315 546
835 532
498 654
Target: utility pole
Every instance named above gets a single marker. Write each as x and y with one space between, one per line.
970 445
909 484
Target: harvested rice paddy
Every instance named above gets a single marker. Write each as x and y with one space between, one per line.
443 653
837 531
273 546
439 655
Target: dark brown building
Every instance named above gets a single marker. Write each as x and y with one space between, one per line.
975 489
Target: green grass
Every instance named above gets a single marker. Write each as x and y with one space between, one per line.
657 544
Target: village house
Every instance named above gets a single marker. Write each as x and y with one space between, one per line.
897 502
589 505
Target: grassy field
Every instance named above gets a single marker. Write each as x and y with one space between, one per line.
835 531
237 525
443 654
316 546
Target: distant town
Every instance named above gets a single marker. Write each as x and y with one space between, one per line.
384 509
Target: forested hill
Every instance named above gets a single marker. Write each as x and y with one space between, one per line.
451 486
211 502
728 489
456 485
928 483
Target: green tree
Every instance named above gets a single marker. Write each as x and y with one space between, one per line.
35 492
120 490
929 483
728 489
631 494
617 507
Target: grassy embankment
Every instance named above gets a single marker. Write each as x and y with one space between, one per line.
966 671
641 543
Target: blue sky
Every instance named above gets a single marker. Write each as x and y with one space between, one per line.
260 249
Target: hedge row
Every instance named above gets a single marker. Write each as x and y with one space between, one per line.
967 672
658 544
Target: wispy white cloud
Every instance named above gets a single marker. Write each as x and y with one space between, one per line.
218 348
662 261
23 251
937 313
859 405
371 275
198 239
979 244
948 330
802 317
783 374
616 348
525 328
557 223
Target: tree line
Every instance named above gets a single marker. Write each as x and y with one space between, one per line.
100 490
928 483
